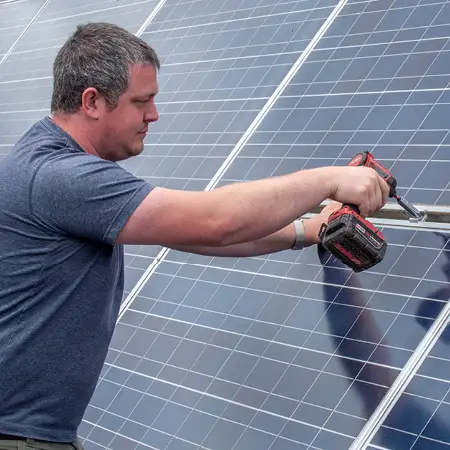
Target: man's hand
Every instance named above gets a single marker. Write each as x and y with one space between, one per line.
360 186
312 225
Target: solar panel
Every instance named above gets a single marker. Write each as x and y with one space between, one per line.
376 81
281 351
419 420
13 21
290 351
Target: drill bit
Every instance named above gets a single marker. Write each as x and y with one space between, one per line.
410 209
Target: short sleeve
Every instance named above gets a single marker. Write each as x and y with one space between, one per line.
86 196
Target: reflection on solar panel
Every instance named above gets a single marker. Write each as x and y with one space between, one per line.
419 419
291 351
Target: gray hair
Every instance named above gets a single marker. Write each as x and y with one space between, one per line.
97 55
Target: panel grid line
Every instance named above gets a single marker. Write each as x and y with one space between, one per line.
321 352
357 129
264 322
298 347
181 386
218 329
322 49
223 399
429 420
5 56
402 380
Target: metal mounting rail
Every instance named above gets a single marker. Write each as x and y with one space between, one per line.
393 215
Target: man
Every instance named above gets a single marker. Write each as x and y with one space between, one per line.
67 208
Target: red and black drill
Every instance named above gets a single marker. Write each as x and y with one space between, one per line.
353 239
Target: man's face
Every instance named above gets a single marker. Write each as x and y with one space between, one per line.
125 127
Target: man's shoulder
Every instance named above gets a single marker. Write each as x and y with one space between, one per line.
41 134
48 151
68 191
37 147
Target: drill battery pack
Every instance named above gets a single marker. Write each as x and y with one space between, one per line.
352 239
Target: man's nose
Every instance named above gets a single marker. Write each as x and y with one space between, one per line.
151 115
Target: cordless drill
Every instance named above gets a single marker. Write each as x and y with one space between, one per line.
353 239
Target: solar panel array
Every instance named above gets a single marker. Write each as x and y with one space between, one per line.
291 350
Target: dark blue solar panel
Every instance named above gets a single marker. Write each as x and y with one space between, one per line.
376 81
289 350
419 420
13 21
221 63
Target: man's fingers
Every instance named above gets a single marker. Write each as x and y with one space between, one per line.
364 207
378 197
332 206
361 186
384 190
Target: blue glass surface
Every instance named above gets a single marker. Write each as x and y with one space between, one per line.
419 420
376 81
284 351
19 14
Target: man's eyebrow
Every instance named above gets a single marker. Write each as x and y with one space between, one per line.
146 94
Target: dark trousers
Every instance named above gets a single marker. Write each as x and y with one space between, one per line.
34 444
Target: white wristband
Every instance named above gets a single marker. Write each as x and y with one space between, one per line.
299 235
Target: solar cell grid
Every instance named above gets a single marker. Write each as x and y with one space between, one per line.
212 100
13 21
282 350
419 418
376 81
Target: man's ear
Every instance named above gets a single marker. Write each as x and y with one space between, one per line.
92 102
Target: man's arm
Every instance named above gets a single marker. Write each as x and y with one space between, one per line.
94 199
281 240
275 242
245 212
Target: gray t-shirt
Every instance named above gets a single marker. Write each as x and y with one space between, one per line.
61 278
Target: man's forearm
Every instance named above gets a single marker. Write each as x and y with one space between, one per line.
275 242
268 205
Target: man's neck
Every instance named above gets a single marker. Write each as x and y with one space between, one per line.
74 126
